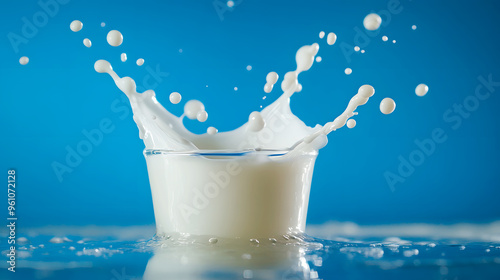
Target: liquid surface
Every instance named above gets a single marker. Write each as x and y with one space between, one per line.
349 251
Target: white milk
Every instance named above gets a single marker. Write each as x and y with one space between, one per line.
252 182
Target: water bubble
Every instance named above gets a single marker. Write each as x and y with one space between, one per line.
76 26
140 62
114 38
87 42
212 130
321 34
175 97
387 106
331 38
24 60
372 22
273 240
254 241
192 108
421 89
348 71
351 123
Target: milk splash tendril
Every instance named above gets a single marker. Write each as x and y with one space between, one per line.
253 181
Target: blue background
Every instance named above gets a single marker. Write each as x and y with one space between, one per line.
45 105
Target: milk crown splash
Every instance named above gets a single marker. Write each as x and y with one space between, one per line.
275 127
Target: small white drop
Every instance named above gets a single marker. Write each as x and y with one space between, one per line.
175 97
385 38
102 66
249 67
192 108
230 4
331 38
387 106
421 90
414 27
362 51
202 116
235 88
24 60
351 123
268 88
114 38
103 24
212 130
322 34
318 59
76 26
213 240
394 41
356 48
140 62
87 43
123 57
372 22
272 78
348 71
256 122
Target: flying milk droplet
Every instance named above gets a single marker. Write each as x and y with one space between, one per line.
387 106
175 97
372 22
192 108
114 38
421 90
76 26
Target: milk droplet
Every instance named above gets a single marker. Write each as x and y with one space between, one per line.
366 91
414 27
351 123
318 59
212 130
249 67
322 34
362 51
256 122
356 48
421 90
372 21
299 88
235 88
175 97
348 71
385 38
387 106
192 108
230 4
123 57
268 88
331 38
87 43
76 25
272 78
24 60
202 116
103 24
140 62
213 240
114 38
102 66
394 41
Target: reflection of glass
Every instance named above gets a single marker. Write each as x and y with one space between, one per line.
250 194
230 259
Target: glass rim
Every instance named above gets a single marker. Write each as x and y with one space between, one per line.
215 152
